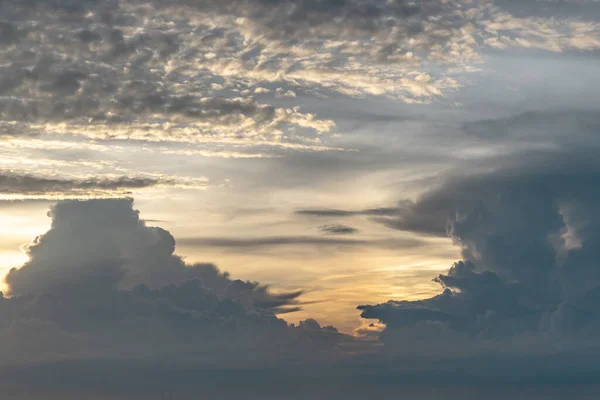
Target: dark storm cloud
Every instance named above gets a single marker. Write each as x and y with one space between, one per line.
102 284
528 231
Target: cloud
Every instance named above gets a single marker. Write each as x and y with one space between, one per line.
541 33
192 69
243 244
527 229
328 212
106 72
337 229
269 241
11 182
218 76
403 216
100 284
535 125
103 292
19 186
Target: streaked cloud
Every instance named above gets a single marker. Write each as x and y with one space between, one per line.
242 244
19 186
337 229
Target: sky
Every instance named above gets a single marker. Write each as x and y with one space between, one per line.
335 198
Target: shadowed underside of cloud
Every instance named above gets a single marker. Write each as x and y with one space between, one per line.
102 284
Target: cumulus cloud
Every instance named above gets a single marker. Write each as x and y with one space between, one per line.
101 284
527 230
